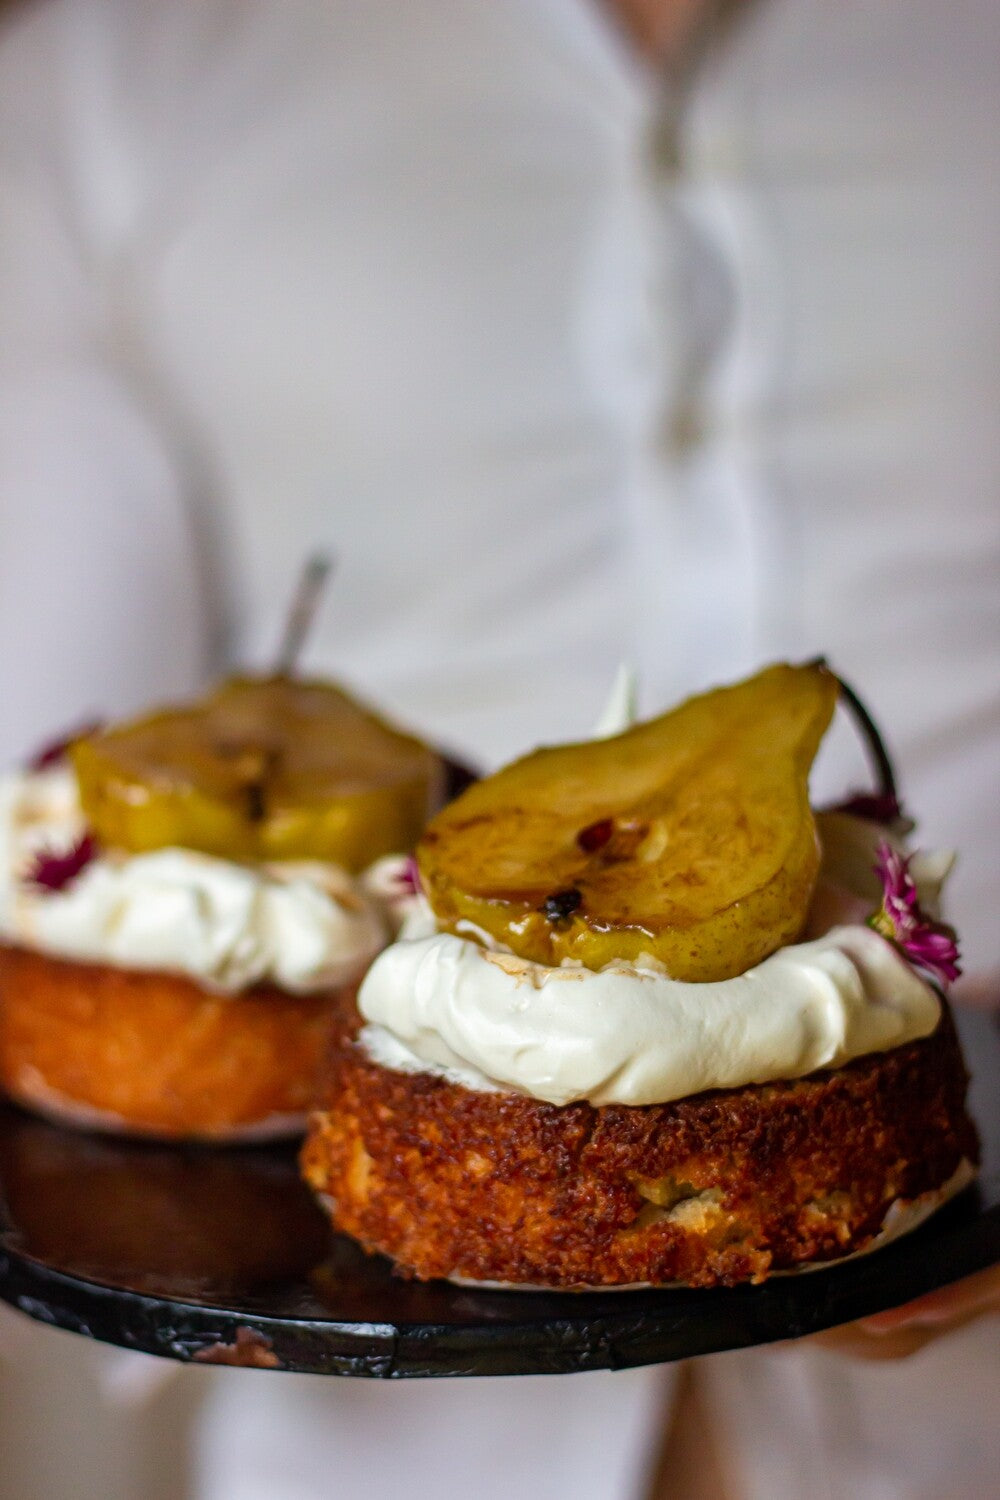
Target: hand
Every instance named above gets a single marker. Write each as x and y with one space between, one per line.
901 1331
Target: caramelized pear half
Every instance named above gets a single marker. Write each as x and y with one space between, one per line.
265 768
689 838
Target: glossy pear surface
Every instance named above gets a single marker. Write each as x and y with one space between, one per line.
688 838
267 768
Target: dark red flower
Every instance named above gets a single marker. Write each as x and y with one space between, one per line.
874 807
55 752
51 871
931 945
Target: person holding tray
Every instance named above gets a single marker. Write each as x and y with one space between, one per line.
650 331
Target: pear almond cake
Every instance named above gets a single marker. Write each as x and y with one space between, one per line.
654 1019
183 901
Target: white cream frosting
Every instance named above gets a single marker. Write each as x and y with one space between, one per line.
621 709
305 926
628 1034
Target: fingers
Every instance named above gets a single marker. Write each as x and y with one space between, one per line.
900 1332
853 1342
940 1309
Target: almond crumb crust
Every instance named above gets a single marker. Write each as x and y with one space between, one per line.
716 1189
154 1053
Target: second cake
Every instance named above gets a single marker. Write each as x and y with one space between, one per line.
183 900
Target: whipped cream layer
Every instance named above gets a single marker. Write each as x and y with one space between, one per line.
304 926
627 1034
466 1008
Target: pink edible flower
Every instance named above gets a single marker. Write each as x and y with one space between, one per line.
929 944
934 948
54 872
55 752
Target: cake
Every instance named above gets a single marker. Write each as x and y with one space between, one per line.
654 1020
184 901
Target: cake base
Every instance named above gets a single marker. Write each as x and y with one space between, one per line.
147 1053
720 1188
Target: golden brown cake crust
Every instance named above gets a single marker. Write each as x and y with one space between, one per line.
154 1053
722 1187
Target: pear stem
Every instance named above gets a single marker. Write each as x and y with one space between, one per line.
302 612
878 755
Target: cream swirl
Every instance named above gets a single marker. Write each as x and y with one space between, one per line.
628 1034
305 926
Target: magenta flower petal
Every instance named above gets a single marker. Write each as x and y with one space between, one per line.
54 872
937 951
928 944
409 877
55 752
899 892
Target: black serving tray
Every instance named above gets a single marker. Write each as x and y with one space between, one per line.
220 1256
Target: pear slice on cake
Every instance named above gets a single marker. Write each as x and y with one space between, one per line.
689 838
264 768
